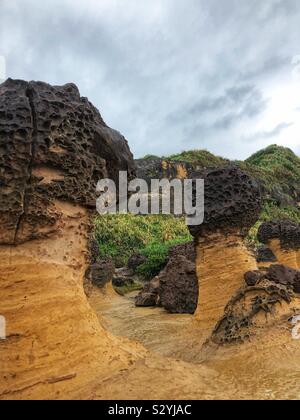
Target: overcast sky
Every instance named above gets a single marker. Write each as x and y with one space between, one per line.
171 75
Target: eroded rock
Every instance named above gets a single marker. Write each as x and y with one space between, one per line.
176 286
149 296
283 238
253 277
232 206
265 256
270 297
123 277
232 201
101 272
54 148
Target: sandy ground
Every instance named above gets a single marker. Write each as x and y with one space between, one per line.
265 368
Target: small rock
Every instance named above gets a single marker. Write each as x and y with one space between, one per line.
101 272
253 277
123 277
149 295
265 254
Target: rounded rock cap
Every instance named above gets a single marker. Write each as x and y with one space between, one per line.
232 200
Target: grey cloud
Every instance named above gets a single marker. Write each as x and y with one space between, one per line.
221 112
168 74
265 135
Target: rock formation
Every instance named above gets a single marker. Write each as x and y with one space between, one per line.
135 261
149 296
265 257
232 206
176 287
154 167
100 272
268 298
283 238
54 147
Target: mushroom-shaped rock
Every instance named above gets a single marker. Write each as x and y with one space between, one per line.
232 206
283 238
54 147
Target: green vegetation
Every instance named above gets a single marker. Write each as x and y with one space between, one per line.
201 158
278 169
120 236
280 160
151 157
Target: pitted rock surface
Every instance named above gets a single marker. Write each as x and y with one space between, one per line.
265 254
54 145
232 201
178 286
286 231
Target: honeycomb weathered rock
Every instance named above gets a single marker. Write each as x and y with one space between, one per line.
232 200
286 231
54 145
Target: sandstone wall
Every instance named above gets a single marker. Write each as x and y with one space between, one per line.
54 148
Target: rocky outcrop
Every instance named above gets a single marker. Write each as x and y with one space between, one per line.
232 206
186 250
283 238
253 277
277 273
157 168
149 296
101 272
269 297
176 287
265 257
286 276
54 148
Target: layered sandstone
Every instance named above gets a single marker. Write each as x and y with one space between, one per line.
283 238
54 148
257 307
232 206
